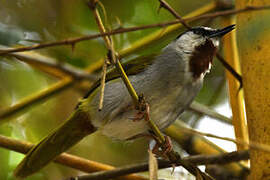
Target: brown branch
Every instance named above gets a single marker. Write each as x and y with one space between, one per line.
64 159
230 69
165 5
198 160
72 41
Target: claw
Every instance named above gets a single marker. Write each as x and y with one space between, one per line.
142 114
166 148
168 145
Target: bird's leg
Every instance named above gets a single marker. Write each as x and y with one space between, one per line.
167 145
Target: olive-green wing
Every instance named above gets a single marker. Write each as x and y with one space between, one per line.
131 67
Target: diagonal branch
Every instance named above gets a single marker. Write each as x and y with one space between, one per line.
230 69
165 5
205 110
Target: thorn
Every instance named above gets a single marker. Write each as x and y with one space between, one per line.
173 168
109 56
92 4
160 6
119 23
73 47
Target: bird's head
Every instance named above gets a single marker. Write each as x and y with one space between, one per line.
198 46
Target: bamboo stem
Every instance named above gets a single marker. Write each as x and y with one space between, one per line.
236 95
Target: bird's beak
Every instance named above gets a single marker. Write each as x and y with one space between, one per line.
222 32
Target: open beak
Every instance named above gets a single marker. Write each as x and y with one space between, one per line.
222 32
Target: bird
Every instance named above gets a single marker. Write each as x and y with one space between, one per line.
169 81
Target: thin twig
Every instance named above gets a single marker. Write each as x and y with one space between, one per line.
102 84
66 159
165 5
72 41
230 69
251 145
198 160
205 110
196 144
109 47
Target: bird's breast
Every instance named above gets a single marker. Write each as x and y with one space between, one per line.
201 59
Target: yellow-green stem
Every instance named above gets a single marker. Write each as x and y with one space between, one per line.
120 69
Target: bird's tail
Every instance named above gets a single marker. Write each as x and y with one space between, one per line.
68 134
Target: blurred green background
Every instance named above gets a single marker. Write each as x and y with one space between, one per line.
26 22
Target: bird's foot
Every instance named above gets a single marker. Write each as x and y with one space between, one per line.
143 110
166 148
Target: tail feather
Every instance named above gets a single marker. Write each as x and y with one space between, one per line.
68 134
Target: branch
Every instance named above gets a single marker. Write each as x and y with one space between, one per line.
205 110
198 160
35 98
72 41
165 5
230 69
250 144
64 159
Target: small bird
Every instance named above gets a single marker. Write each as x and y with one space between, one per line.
169 82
